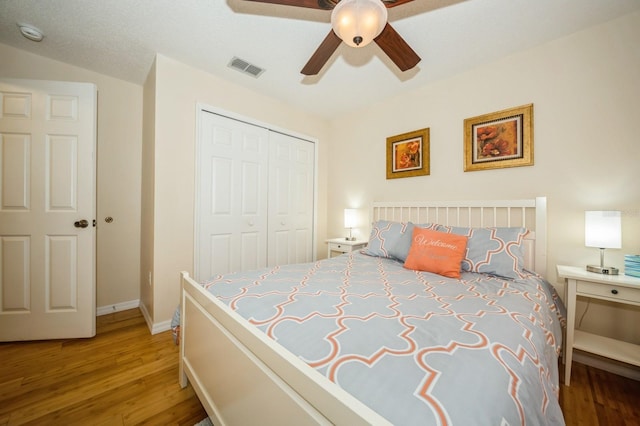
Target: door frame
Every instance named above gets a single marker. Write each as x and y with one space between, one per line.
205 108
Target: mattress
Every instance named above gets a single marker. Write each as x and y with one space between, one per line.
416 347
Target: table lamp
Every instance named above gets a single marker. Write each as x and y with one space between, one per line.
602 229
350 221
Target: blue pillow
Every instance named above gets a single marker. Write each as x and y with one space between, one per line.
495 251
392 239
384 235
400 250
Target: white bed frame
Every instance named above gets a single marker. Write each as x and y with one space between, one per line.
242 377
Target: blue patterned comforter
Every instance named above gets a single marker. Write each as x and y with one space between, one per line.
416 347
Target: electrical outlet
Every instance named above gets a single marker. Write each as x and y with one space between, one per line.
149 278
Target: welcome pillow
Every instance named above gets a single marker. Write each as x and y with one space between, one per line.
437 252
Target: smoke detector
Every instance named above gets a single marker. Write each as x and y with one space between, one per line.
31 32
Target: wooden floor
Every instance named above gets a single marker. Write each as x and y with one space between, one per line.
599 398
126 376
123 376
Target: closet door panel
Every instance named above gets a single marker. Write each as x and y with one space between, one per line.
281 247
291 177
252 253
303 240
231 205
250 189
303 191
221 186
219 250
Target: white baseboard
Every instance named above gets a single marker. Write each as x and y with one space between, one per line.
154 328
147 317
161 326
606 364
122 306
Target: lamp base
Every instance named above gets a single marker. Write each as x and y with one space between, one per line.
605 270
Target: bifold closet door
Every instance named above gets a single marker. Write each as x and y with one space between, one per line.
231 203
291 183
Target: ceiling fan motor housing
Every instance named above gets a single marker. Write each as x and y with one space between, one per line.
358 22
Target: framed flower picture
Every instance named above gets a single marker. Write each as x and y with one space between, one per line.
408 154
500 139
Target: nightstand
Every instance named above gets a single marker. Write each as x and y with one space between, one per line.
614 288
340 245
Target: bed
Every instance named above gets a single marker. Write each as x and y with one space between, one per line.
362 339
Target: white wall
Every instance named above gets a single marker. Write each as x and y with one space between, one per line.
585 89
118 174
178 89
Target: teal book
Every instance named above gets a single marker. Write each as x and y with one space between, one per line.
632 265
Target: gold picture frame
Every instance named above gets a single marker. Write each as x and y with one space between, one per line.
500 139
408 154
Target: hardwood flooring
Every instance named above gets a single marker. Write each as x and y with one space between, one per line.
123 376
599 398
126 376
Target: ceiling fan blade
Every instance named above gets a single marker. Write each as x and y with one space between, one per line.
322 54
397 49
311 4
394 3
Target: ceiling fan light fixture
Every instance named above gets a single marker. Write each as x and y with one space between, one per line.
358 22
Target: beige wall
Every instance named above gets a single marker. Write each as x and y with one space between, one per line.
148 192
118 163
178 89
585 89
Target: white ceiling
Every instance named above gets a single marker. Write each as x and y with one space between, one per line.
120 38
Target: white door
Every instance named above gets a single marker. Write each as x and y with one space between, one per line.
231 200
47 188
291 183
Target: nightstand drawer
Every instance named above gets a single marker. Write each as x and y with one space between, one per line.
339 247
610 292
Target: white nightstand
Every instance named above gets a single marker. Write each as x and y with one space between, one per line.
340 245
615 288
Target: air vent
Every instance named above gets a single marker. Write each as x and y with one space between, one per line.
245 67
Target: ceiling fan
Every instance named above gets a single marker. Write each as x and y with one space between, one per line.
357 23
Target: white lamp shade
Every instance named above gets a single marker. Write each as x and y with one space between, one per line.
350 218
354 20
603 229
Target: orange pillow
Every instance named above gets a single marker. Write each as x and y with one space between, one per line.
437 252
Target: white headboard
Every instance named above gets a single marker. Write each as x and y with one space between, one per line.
530 214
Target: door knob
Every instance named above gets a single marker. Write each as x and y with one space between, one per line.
81 223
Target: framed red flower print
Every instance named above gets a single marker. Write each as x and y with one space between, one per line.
408 154
500 139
